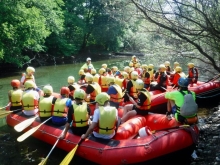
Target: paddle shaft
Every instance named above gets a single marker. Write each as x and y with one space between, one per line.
164 129
30 132
214 78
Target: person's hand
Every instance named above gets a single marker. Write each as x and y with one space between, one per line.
193 80
62 136
131 99
83 136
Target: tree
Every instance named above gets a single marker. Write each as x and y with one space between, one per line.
194 24
25 25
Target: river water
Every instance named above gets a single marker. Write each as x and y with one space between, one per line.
32 150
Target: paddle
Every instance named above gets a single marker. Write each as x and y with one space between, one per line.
4 107
164 129
30 132
70 155
5 113
43 162
24 124
213 78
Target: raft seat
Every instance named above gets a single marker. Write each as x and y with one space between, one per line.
130 128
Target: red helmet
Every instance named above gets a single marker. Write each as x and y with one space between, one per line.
64 91
15 83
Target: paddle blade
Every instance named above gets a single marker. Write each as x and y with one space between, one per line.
27 134
24 124
69 156
5 113
43 162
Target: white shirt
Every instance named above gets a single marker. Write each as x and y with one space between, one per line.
96 117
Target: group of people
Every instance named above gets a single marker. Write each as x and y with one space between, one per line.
106 90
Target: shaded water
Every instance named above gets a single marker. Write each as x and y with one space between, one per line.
32 150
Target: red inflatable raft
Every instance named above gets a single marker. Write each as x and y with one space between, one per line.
126 147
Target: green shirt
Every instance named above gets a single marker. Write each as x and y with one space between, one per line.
178 97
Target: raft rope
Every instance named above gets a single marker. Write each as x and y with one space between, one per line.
204 97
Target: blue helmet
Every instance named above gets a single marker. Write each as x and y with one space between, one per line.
183 82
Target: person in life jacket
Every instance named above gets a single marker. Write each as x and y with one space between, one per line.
122 80
28 76
46 103
87 66
105 66
95 76
127 70
61 107
72 86
82 77
175 64
133 61
115 93
15 96
78 115
177 76
146 76
92 90
140 107
168 69
162 80
193 74
176 101
103 80
30 98
151 71
137 68
131 90
115 71
105 119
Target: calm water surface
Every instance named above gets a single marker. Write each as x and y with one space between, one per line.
32 150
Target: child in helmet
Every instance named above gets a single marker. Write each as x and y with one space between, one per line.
15 96
72 86
82 77
193 74
115 93
131 90
162 80
140 107
61 107
105 119
28 76
87 66
78 115
176 100
46 103
30 98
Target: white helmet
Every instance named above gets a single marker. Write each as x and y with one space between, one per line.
134 75
139 84
30 69
70 79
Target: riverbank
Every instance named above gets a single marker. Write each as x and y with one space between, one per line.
208 149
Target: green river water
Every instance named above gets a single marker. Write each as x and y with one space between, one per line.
31 151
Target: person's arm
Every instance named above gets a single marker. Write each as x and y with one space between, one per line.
89 131
69 120
63 135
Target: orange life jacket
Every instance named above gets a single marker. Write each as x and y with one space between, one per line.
193 73
147 103
116 97
133 91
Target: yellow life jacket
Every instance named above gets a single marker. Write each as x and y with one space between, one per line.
117 97
60 109
97 90
28 101
103 82
96 78
15 98
151 74
133 91
45 106
107 121
27 77
119 81
80 115
147 103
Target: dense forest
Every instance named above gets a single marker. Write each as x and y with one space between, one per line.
39 31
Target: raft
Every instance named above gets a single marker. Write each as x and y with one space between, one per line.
126 147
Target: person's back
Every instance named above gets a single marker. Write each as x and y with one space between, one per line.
15 96
105 119
46 103
61 106
193 74
30 99
176 101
